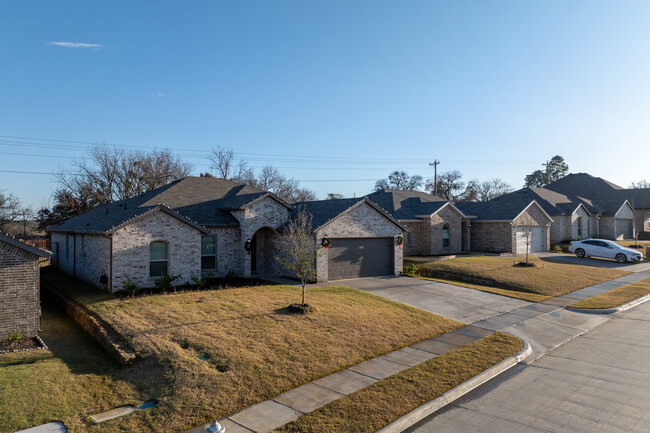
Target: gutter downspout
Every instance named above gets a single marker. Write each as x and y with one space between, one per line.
74 254
110 264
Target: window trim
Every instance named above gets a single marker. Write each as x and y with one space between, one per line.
166 260
214 269
448 238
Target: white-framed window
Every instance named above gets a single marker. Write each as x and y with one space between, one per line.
208 253
158 258
579 227
445 236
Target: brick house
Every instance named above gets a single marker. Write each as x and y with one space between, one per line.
197 226
505 226
435 226
616 213
20 307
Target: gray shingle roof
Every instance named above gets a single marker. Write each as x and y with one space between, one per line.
552 202
23 246
407 205
324 211
604 196
202 200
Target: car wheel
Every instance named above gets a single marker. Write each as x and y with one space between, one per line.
580 252
621 258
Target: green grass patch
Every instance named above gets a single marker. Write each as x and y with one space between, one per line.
615 297
547 279
69 382
384 401
255 348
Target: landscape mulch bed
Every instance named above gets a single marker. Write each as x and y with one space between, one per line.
21 345
211 284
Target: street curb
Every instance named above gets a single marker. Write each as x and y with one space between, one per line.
448 397
619 309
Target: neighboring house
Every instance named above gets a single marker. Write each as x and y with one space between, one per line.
618 213
191 227
19 287
507 225
435 226
572 219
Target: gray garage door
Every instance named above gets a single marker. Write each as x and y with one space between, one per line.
363 257
624 229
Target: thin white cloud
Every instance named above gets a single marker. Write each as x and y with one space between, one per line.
161 94
76 45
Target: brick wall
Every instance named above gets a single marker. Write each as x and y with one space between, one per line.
415 247
264 213
436 223
19 291
491 237
362 221
131 250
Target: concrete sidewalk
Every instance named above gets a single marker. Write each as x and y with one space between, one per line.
273 413
544 326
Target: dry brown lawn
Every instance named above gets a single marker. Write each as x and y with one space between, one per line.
616 297
373 407
547 279
256 349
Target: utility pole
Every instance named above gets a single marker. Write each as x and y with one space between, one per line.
435 176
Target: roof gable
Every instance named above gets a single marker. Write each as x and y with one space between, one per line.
325 211
37 252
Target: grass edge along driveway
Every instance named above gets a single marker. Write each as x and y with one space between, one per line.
384 401
547 279
615 297
255 349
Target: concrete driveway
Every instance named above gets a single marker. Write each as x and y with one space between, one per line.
591 261
454 302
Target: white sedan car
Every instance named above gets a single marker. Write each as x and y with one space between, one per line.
605 249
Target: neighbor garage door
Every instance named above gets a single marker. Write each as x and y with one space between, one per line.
537 241
363 257
624 229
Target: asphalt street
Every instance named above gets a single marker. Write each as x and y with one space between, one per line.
597 382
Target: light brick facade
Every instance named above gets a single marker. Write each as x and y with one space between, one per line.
19 291
124 253
131 257
361 221
425 235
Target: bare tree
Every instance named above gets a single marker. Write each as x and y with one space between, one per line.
450 185
268 179
297 248
10 208
400 180
493 188
223 161
640 184
334 196
116 174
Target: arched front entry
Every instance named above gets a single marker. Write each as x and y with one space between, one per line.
262 254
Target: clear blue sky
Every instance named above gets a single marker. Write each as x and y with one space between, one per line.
333 91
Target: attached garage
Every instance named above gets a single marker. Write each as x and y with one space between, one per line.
624 229
364 240
537 239
360 257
